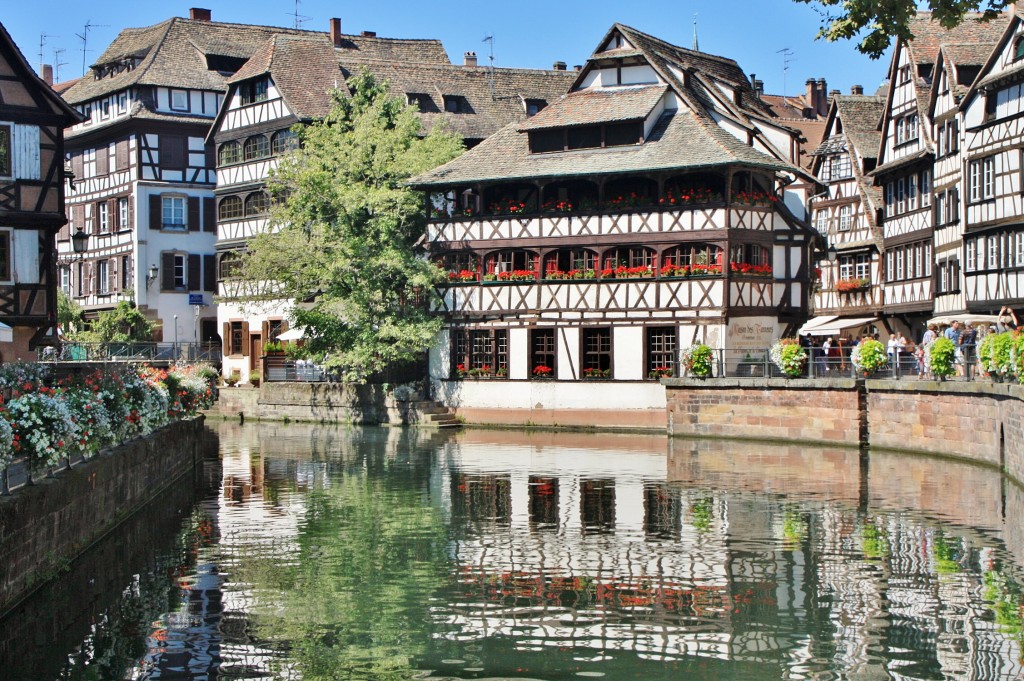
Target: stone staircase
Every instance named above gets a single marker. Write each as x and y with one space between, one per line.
434 415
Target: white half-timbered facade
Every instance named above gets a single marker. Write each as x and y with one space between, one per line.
288 82
591 243
32 123
850 284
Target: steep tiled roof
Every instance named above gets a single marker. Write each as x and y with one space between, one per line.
678 141
304 69
19 68
960 58
929 35
586 107
483 111
173 53
860 115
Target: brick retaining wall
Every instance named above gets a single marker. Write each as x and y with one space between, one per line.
47 524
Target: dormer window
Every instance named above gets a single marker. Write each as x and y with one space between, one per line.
1018 49
421 100
456 104
586 137
179 100
254 91
534 106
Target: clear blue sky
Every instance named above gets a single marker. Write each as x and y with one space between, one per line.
527 33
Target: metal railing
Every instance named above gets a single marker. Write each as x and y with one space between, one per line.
281 369
132 352
734 363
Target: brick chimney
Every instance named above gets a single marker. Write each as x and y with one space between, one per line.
48 74
336 32
823 98
369 34
811 94
577 67
856 89
200 14
559 66
469 59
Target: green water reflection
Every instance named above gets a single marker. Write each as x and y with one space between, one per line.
332 553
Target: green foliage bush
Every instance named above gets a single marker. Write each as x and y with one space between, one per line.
942 357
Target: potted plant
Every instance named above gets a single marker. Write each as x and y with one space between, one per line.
232 379
273 348
254 378
869 357
942 357
591 373
543 371
995 355
789 356
698 361
660 372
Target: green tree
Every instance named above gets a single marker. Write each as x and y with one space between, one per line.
69 313
124 324
343 230
877 23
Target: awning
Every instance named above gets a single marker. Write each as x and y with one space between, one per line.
840 324
296 333
814 323
6 333
947 319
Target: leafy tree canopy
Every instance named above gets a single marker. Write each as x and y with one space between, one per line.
124 324
343 231
877 23
69 313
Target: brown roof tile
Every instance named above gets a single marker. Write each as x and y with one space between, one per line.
586 107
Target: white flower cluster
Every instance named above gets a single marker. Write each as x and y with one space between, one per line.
43 427
17 374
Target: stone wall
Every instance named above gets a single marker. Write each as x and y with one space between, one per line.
319 403
45 525
823 411
982 422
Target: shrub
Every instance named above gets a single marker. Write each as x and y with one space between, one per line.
43 428
941 357
869 356
273 346
93 428
789 356
698 360
995 354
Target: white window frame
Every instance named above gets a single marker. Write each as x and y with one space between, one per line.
900 271
169 212
181 271
122 212
172 94
845 218
65 279
912 192
901 195
821 220
890 198
926 188
1018 249
846 267
993 252
102 277
862 266
103 219
927 259
890 270
122 102
940 210
970 262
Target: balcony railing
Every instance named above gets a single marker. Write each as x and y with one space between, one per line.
132 352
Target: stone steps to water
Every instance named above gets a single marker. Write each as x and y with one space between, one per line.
434 415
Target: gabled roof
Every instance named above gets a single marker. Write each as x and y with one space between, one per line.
986 77
30 80
304 69
586 107
174 53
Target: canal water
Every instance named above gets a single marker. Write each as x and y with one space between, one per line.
315 552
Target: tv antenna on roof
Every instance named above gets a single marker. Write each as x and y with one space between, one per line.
58 54
84 37
489 38
299 18
696 47
787 56
42 44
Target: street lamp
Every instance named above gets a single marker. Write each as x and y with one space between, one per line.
831 254
151 275
79 241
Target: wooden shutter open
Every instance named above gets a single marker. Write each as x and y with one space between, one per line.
226 339
167 271
210 273
193 214
112 279
194 272
209 214
245 339
156 218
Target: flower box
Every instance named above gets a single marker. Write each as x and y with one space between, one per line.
853 285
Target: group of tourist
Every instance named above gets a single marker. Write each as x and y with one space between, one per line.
830 355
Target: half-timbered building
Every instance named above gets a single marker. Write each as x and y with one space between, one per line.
848 286
992 119
32 122
641 213
287 82
144 174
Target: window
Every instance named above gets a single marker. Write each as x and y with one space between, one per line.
65 279
229 264
1018 49
990 105
570 263
173 212
971 252
256 147
122 102
456 104
846 266
890 198
845 218
839 167
229 152
257 203
821 220
629 256
420 100
661 349
102 276
179 275
283 141
5 151
912 192
172 152
6 270
126 273
230 208
1018 249
510 261
103 219
236 338
179 100
597 353
900 272
901 195
535 106
926 188
254 91
993 252
903 75
542 352
982 179
122 213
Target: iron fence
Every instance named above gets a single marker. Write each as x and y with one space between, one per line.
133 351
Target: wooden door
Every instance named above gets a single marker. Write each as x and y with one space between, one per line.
255 350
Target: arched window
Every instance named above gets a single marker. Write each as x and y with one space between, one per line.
511 265
256 147
283 141
229 265
628 261
229 152
230 208
691 259
257 203
570 263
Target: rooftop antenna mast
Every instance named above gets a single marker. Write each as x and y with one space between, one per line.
58 54
696 46
42 45
490 39
787 56
84 37
299 18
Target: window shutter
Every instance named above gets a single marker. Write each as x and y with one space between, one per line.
245 339
131 212
121 154
225 339
78 164
193 213
112 275
210 273
102 161
194 272
156 218
265 330
167 271
65 231
90 282
113 215
209 214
